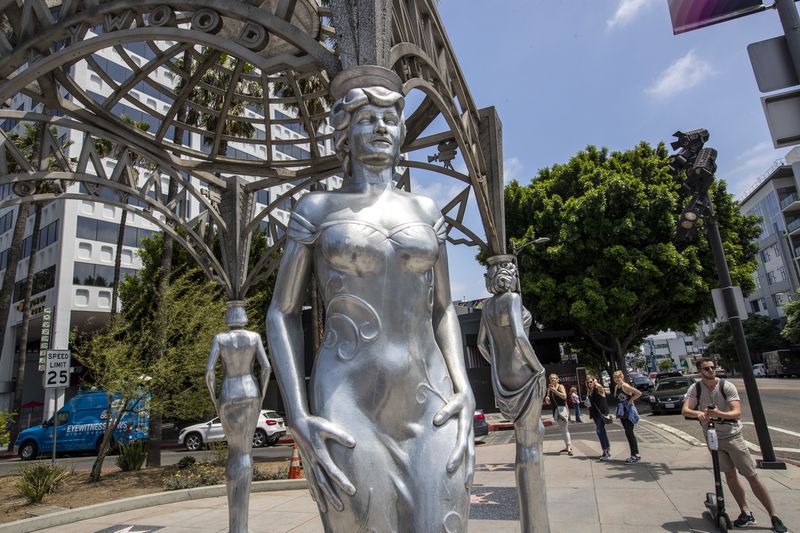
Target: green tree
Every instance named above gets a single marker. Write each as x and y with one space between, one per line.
614 270
791 331
762 334
665 365
119 359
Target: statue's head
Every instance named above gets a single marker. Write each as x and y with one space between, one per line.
367 116
502 275
235 316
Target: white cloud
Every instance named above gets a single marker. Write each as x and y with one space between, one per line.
685 73
627 10
512 169
440 192
747 167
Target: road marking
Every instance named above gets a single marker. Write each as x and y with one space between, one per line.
773 428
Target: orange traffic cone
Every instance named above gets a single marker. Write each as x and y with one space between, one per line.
295 472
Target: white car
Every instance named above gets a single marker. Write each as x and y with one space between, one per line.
760 370
269 429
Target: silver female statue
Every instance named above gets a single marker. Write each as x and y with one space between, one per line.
518 379
385 430
238 405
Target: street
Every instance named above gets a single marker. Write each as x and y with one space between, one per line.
168 457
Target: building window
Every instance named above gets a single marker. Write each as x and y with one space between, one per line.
103 231
6 221
97 275
42 280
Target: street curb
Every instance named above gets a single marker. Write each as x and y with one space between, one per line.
675 432
148 500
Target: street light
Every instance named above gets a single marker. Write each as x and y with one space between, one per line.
517 248
700 165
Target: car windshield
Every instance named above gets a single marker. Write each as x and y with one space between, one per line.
672 384
271 414
641 379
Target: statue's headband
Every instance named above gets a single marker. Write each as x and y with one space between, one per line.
364 76
498 259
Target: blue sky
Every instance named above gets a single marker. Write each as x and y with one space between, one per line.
567 74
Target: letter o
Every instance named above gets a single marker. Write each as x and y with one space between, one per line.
161 16
207 21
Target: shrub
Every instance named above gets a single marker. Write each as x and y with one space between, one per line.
6 419
186 462
281 473
132 456
219 453
39 480
200 475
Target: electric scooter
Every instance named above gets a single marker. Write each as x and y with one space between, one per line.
715 501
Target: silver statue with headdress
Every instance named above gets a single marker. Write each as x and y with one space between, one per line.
385 429
518 379
238 405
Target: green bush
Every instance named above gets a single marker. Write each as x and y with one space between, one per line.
281 473
132 455
195 476
219 453
6 419
39 480
186 462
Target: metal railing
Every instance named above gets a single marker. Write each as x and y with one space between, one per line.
789 199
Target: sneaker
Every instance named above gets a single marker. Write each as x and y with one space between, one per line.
777 525
605 457
632 459
746 519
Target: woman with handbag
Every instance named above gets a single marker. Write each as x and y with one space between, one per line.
598 412
626 396
557 399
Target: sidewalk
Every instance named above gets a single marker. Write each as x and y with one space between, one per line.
664 492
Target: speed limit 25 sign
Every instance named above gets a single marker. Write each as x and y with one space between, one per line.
56 369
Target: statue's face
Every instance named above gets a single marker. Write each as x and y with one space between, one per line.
375 134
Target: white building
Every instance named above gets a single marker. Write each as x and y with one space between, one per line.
678 347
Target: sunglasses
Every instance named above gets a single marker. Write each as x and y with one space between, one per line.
711 368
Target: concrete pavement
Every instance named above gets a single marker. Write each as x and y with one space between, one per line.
664 492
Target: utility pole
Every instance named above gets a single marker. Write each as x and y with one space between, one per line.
700 165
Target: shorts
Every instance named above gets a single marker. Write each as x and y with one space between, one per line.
733 453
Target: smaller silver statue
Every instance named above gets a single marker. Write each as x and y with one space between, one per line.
238 405
518 379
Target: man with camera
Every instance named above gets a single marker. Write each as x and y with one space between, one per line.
703 401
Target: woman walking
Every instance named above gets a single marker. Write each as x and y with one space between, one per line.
598 411
626 396
557 399
575 400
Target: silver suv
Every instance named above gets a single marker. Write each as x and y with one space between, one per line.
269 429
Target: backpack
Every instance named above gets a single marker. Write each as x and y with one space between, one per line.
698 388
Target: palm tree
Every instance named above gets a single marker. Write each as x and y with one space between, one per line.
104 149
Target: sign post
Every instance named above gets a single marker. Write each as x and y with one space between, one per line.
56 376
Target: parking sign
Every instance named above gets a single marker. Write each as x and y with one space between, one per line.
56 370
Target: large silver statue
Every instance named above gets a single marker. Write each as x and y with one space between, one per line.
238 405
386 427
518 379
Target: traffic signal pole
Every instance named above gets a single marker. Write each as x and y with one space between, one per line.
768 460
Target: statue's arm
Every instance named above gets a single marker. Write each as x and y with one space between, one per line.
285 330
520 332
210 371
484 345
266 368
448 336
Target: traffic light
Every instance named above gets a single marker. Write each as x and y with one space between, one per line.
690 219
688 144
701 174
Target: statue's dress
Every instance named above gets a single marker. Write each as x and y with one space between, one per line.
380 374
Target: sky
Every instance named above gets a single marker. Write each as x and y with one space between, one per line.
567 74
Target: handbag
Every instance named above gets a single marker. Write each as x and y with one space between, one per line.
562 412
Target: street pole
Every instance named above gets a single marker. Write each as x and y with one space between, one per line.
737 330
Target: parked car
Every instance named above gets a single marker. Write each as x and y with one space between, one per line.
479 424
668 394
668 374
760 370
80 425
721 372
269 429
641 382
782 363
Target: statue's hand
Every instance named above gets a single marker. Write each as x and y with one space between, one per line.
461 405
312 434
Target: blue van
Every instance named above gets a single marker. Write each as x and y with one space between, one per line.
81 423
